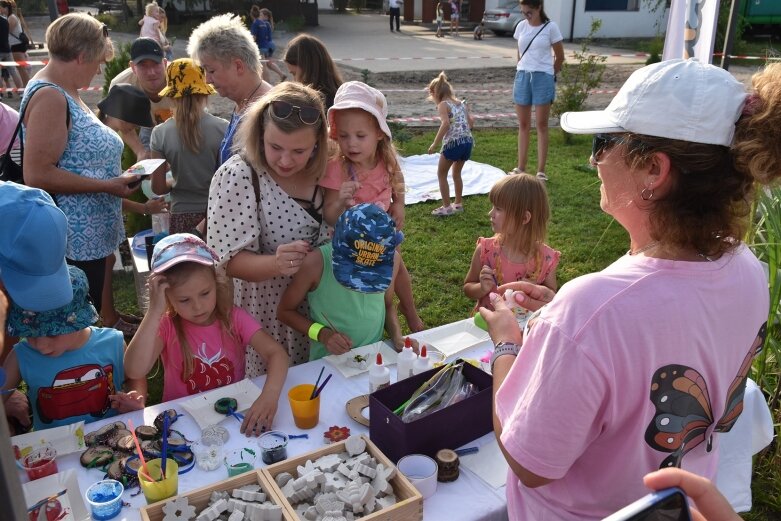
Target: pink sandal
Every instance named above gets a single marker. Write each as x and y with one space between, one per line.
443 211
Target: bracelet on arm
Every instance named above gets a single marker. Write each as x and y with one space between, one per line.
502 349
314 330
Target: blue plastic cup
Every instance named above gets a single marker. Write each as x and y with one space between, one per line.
105 499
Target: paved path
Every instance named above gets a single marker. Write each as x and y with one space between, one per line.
364 41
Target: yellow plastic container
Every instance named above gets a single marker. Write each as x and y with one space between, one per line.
306 412
160 488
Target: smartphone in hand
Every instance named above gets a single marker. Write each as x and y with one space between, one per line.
669 504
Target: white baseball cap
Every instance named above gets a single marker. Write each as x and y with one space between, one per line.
675 99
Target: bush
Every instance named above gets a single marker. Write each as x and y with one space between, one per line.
579 77
117 64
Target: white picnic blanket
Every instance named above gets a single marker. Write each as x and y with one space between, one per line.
420 176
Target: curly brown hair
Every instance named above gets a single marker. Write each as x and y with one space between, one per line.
709 204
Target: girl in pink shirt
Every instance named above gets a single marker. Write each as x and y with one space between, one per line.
517 251
365 170
193 326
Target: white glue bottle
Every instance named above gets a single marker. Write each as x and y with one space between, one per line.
379 375
405 361
421 364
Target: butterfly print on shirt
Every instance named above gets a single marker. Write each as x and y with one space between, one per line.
683 407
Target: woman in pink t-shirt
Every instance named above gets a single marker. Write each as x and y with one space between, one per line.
200 335
641 365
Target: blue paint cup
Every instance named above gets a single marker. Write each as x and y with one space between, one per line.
105 499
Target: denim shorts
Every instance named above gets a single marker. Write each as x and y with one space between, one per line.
534 88
458 152
267 52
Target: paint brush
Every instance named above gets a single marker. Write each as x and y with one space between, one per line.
331 324
45 500
312 396
320 389
143 468
164 449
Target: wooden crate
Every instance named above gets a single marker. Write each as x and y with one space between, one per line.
409 505
199 498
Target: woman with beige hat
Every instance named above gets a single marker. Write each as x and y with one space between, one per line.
190 144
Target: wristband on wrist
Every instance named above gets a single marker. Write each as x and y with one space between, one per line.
314 330
504 348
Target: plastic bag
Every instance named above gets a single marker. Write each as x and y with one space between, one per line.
446 387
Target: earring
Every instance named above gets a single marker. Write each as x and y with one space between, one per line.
647 194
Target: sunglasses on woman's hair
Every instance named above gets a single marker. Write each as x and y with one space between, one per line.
105 31
283 110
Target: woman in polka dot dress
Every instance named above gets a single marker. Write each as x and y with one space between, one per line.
265 207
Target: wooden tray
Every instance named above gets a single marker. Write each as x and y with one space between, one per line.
199 498
409 505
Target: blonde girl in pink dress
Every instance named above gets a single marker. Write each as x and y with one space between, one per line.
517 251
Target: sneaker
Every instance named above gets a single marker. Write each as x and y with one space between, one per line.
515 171
443 211
457 208
542 177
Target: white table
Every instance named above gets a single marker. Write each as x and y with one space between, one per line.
467 499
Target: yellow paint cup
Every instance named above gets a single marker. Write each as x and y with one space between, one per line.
160 488
306 412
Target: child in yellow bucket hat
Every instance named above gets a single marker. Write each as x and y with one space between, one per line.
190 144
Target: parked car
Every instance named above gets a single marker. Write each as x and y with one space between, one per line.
503 19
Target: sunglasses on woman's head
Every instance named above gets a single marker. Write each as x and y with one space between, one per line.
283 110
105 31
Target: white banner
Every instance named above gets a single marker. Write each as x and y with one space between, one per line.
691 30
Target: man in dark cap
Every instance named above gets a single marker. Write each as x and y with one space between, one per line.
147 72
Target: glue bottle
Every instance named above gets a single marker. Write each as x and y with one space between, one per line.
405 361
379 375
421 363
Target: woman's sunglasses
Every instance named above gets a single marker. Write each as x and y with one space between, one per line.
283 110
105 31
602 142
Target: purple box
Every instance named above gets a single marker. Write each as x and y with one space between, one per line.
448 428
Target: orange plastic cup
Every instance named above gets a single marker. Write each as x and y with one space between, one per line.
306 412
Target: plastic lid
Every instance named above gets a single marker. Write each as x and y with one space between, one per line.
407 342
379 359
423 352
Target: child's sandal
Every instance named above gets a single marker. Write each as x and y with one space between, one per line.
457 207
443 211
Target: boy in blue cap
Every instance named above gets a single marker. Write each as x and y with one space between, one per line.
348 284
73 371
32 266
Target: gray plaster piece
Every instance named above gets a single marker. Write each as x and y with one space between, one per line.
251 488
217 495
220 506
366 470
178 510
354 445
237 515
386 501
282 478
208 514
328 463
